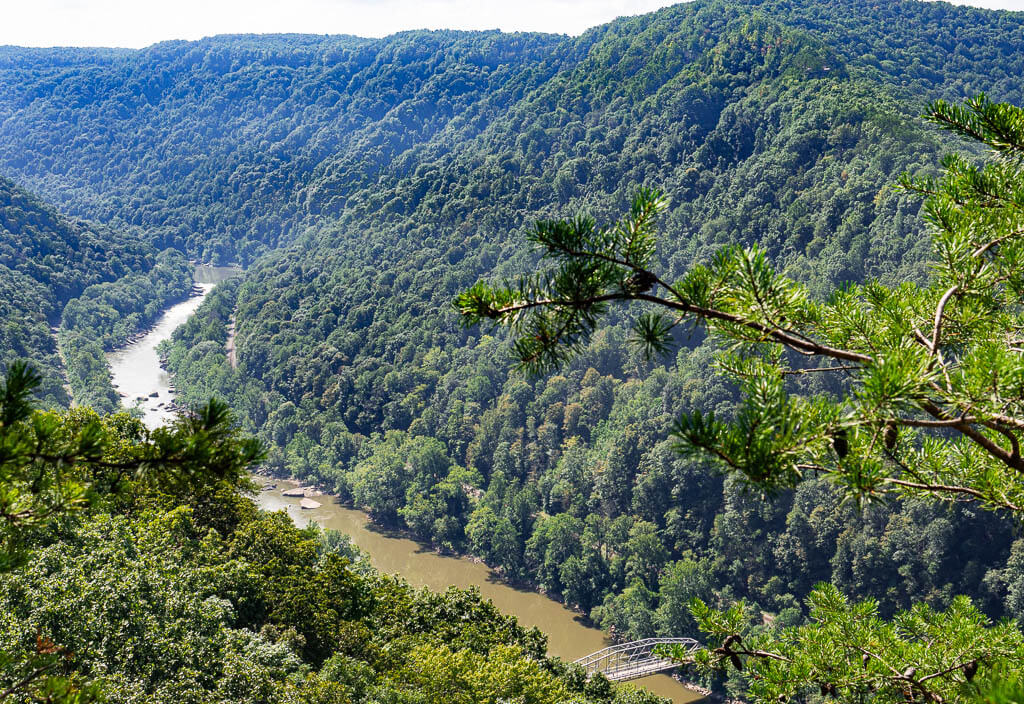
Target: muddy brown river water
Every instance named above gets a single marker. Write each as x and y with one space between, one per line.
568 637
136 371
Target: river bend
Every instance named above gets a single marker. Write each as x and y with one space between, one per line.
137 374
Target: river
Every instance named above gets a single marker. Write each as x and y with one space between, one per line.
568 637
137 373
135 368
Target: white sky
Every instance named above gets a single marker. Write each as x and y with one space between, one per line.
137 23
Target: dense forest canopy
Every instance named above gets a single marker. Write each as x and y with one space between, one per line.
365 182
92 284
131 568
352 368
47 260
932 417
230 144
212 145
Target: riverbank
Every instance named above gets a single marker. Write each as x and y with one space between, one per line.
141 333
570 634
137 372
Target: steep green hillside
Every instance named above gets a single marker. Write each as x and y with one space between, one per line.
920 47
391 174
229 144
352 365
63 254
98 284
47 259
209 145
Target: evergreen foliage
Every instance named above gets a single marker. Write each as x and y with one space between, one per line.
132 569
393 173
930 408
349 354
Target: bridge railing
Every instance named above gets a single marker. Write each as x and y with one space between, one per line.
626 661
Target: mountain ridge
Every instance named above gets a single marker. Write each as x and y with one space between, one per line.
350 356
365 192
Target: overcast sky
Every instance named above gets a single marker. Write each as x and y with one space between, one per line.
137 23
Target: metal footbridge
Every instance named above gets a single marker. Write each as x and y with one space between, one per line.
630 661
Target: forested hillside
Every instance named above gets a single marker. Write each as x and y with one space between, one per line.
212 145
352 365
91 284
46 260
161 582
366 182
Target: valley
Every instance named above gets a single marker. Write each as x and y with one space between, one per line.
137 373
568 637
702 321
135 369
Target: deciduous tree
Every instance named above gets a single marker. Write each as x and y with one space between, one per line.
930 400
